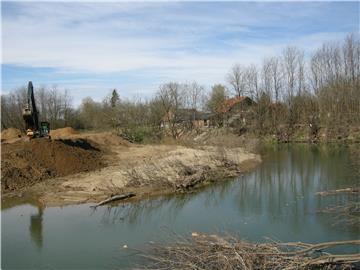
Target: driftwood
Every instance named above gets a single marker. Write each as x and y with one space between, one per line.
310 247
349 261
190 182
215 252
115 198
354 190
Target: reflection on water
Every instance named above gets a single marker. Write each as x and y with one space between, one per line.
283 186
36 227
276 200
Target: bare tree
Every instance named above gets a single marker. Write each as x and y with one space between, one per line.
216 99
300 72
351 56
57 104
290 64
276 77
326 65
266 78
11 109
53 106
172 99
252 81
235 78
193 93
90 114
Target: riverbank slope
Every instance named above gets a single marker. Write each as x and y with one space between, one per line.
115 167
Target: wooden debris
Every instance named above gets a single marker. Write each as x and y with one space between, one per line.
217 252
337 191
115 198
190 182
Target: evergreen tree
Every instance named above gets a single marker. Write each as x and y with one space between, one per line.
114 98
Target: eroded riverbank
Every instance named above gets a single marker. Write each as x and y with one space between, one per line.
146 170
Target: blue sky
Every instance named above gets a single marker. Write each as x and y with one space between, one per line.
91 48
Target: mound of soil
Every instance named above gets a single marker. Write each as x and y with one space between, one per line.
26 163
62 132
10 133
107 139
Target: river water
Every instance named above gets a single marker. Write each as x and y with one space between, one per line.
276 200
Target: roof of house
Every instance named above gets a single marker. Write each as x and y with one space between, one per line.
231 102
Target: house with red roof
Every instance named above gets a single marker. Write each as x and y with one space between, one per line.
236 108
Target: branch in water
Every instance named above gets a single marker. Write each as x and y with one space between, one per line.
354 190
115 198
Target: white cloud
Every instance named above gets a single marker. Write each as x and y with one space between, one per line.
164 41
47 38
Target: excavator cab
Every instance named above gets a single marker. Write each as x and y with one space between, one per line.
44 129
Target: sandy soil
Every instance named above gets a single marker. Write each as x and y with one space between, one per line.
143 169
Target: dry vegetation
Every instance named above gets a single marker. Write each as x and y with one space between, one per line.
184 168
217 252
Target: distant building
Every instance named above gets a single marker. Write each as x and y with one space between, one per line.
236 109
187 117
236 104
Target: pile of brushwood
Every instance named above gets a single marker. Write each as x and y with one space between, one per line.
202 251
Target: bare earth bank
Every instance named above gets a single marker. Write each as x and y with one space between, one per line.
146 170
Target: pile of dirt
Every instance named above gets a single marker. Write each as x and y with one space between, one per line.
26 163
10 133
107 139
62 132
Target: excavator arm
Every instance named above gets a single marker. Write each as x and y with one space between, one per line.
31 116
30 113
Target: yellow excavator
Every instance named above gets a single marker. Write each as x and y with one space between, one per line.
31 117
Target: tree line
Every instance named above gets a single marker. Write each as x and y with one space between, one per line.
292 89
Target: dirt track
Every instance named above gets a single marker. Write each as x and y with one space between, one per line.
89 167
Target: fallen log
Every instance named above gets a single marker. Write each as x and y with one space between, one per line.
334 259
354 190
320 246
115 198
